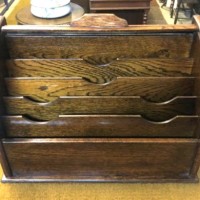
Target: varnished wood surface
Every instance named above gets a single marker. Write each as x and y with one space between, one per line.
24 16
99 20
83 88
100 74
22 179
3 157
119 5
105 159
151 88
100 105
196 163
196 71
2 42
195 54
196 20
135 12
3 57
100 47
4 161
100 126
60 30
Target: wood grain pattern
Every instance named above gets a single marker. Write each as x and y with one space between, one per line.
110 5
153 88
100 48
99 20
135 12
63 30
99 74
100 126
101 159
100 105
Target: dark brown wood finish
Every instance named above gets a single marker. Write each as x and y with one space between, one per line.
134 11
3 56
100 105
94 126
2 43
4 162
118 4
196 71
111 103
102 159
101 47
108 71
150 88
195 167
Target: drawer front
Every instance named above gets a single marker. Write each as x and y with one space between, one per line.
119 5
101 159
95 126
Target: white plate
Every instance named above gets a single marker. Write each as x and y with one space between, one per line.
49 13
49 3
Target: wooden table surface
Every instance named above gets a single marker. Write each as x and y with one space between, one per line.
25 17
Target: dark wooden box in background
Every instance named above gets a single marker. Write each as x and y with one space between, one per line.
134 11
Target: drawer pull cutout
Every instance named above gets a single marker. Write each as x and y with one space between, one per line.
153 89
100 105
100 126
107 71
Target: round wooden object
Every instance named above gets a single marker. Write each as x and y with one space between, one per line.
25 17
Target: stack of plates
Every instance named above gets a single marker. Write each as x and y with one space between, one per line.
50 8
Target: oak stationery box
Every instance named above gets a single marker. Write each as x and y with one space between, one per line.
100 101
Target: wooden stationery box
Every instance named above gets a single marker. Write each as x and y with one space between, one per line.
100 101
